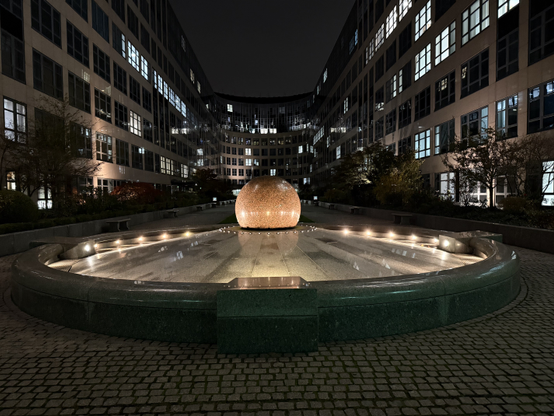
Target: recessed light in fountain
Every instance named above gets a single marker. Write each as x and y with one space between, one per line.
268 202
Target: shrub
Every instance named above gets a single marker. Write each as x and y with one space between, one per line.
336 196
16 207
514 204
138 192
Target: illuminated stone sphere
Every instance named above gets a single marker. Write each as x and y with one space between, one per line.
268 202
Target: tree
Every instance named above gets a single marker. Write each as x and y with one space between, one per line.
401 181
57 150
481 158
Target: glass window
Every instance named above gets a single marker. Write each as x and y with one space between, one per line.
422 144
505 5
80 6
475 73
15 120
134 90
541 108
445 43
119 42
423 62
548 183
423 104
475 124
47 76
122 152
103 106
380 37
392 21
445 91
405 114
404 6
104 150
119 78
121 116
506 117
390 122
13 57
444 137
144 68
77 44
100 21
101 62
45 19
474 20
541 21
79 92
423 20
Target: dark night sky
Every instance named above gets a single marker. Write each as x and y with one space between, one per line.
262 47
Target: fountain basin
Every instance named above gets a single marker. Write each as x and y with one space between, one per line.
184 311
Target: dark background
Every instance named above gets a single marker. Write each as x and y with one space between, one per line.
262 48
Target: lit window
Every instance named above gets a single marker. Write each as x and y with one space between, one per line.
445 43
380 37
506 117
423 62
475 124
144 68
345 108
548 183
135 124
423 20
230 108
422 143
15 121
370 51
192 78
248 151
505 5
392 21
11 183
133 56
198 87
338 152
404 6
273 172
325 75
475 19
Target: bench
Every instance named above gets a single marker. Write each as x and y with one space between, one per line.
172 213
331 206
401 218
118 225
199 208
355 210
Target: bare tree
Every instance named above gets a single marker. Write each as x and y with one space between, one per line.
482 158
57 150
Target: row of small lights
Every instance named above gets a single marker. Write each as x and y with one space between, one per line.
392 235
140 239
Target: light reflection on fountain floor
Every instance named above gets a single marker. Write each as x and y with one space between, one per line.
222 255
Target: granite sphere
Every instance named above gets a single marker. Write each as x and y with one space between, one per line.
268 202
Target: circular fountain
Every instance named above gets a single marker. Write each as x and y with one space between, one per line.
171 284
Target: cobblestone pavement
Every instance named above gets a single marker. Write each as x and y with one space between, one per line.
500 364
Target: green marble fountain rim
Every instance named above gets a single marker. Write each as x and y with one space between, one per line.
30 270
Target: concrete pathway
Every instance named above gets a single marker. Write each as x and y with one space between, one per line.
500 364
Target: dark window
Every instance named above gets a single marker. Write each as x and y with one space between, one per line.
100 21
134 89
119 8
45 19
137 155
475 124
506 117
405 114
13 57
79 92
391 88
405 77
103 105
145 9
379 9
149 161
379 129
146 99
119 78
121 116
101 62
441 7
404 145
145 38
104 151
475 73
132 22
391 55
541 107
390 122
147 130
77 44
405 40
80 6
119 43
122 152
444 137
13 6
380 99
541 35
507 46
80 141
47 76
445 91
379 68
423 104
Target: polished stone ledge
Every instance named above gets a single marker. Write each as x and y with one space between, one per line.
187 312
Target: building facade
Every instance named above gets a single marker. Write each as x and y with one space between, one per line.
413 74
